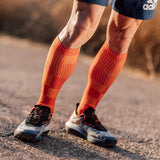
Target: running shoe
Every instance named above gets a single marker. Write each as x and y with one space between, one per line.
35 125
87 125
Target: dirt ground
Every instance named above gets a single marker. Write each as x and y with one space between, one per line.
130 109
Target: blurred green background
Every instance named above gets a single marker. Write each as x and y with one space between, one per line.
42 20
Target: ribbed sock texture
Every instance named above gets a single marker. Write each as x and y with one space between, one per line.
102 73
60 64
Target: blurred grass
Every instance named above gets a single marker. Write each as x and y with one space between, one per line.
42 20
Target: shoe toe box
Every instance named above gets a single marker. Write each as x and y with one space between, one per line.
102 138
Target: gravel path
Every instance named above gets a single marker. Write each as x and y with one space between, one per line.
130 110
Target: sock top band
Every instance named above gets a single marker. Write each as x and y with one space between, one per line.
113 54
62 49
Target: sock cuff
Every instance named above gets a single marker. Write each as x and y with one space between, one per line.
62 49
114 55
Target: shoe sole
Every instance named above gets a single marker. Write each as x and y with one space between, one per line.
76 130
26 136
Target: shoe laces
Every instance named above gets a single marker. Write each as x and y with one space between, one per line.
39 115
91 119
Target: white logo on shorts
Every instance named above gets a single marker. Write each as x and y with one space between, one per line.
150 5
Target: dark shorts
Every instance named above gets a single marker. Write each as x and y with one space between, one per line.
138 9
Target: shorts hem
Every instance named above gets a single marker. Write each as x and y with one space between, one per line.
102 3
131 16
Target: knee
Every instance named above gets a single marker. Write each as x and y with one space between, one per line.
82 28
119 38
77 32
120 32
81 25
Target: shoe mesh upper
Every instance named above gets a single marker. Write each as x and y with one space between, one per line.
39 116
91 120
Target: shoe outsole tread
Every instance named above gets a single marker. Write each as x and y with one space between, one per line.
107 143
30 137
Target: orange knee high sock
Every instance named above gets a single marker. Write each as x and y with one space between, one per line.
102 73
60 64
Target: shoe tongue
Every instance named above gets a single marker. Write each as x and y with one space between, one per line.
89 111
44 108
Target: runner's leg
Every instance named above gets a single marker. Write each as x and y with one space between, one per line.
109 60
60 64
64 51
